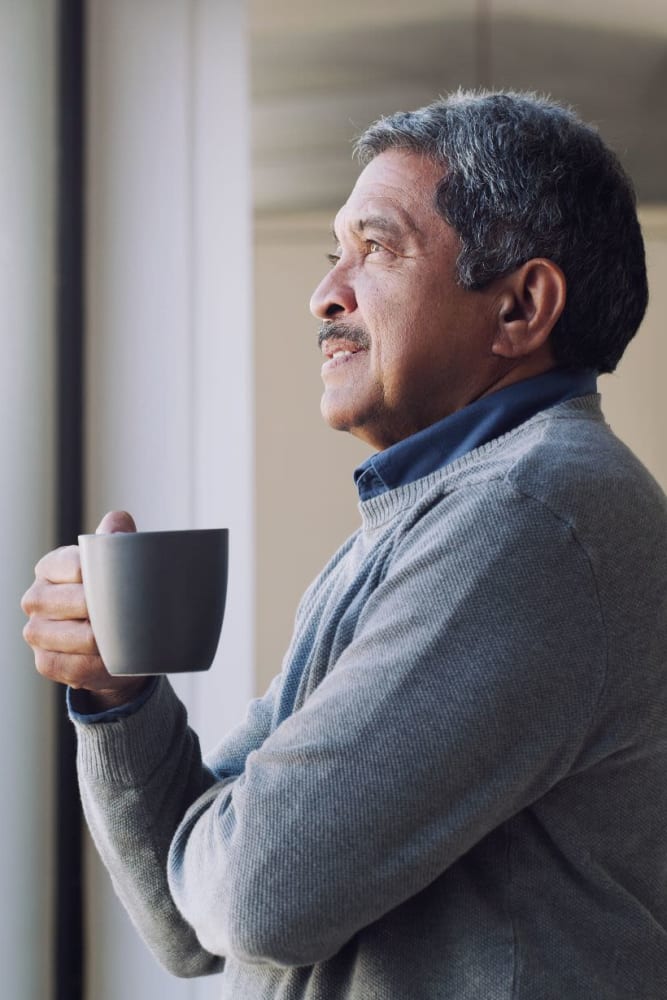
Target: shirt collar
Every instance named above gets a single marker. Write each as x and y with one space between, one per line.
468 428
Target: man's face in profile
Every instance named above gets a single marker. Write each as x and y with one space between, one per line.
404 344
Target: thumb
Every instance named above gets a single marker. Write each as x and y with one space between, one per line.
116 521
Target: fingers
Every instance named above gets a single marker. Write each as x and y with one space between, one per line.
57 601
85 672
67 636
74 669
66 652
116 521
58 630
63 565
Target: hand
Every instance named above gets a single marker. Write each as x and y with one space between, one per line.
58 629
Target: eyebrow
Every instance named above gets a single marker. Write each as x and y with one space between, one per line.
378 223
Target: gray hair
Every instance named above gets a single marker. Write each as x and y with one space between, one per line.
524 177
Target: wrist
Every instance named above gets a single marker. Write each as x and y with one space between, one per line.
92 702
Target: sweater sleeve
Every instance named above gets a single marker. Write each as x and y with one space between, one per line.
465 694
138 774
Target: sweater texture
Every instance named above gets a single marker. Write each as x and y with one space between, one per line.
455 789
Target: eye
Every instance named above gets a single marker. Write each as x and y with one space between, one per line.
373 247
334 257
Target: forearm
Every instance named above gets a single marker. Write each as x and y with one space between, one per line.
421 739
138 775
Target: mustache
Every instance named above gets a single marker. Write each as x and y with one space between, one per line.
342 331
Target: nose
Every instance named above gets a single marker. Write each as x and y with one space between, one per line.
334 296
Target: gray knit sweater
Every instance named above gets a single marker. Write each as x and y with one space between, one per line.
457 787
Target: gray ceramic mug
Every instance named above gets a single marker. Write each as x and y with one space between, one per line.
156 599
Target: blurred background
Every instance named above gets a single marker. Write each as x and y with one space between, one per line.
168 174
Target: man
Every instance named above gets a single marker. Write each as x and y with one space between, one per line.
456 786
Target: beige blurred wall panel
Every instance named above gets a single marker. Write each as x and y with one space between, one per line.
307 503
634 399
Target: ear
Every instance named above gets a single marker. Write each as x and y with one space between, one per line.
530 301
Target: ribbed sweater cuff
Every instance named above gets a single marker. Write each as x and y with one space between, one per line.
127 750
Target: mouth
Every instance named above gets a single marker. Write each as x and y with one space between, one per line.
340 343
333 349
339 352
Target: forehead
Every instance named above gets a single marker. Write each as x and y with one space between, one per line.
397 186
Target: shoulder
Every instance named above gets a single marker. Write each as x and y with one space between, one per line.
574 465
563 479
570 450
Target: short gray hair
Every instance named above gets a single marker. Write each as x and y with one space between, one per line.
524 177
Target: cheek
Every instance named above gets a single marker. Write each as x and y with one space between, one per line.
391 348
402 366
405 321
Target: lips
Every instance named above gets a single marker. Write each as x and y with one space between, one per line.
339 352
340 343
339 336
338 348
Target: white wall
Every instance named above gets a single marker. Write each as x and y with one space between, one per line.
27 122
169 353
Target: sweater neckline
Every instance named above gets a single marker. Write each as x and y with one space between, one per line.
378 510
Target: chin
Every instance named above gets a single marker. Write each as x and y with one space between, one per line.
360 423
336 421
335 413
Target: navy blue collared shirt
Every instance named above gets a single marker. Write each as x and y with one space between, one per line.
474 425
